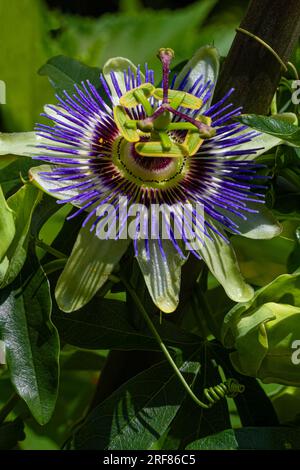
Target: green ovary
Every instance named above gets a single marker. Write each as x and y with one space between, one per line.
149 172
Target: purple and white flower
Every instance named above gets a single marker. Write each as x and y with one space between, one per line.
167 146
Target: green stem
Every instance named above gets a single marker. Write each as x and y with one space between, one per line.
55 265
267 46
162 345
50 249
291 65
8 407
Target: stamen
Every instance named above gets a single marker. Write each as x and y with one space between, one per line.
205 131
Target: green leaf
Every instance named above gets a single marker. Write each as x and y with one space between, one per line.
82 361
64 72
276 126
138 413
31 340
7 225
22 205
10 176
261 261
260 438
107 324
46 208
283 290
221 261
6 160
263 141
66 235
11 433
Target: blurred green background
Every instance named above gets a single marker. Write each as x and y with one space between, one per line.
32 31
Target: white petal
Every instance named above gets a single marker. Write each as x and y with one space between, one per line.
263 142
87 269
221 260
162 275
49 186
205 62
260 226
19 143
118 65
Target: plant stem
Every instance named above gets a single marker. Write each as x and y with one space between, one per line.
50 249
55 265
162 345
9 406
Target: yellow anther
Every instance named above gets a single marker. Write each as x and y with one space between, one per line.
193 139
135 96
121 119
179 98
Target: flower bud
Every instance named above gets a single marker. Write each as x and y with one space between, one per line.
266 334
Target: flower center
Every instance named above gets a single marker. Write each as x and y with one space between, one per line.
157 121
153 148
151 172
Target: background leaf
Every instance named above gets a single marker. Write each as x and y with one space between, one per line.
268 438
106 323
64 72
138 413
22 203
11 433
271 125
192 421
94 41
31 340
10 176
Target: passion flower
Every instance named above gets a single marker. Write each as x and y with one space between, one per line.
133 142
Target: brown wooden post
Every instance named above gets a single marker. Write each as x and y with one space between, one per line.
249 67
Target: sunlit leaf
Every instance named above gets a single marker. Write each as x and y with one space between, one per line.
64 72
7 225
31 340
280 128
